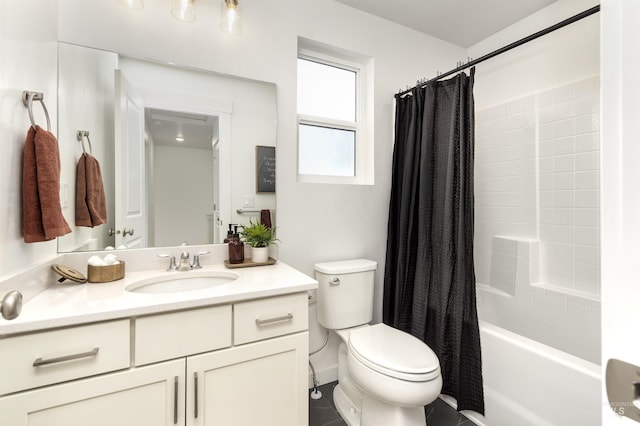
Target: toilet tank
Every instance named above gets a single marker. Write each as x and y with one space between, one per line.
345 293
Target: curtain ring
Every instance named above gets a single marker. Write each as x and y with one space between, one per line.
27 99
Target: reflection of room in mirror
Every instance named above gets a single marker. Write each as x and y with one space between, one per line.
180 149
243 115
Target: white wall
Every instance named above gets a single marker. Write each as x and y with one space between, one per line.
85 101
183 195
315 222
28 59
537 181
620 177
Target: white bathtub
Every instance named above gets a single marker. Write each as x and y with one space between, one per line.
528 383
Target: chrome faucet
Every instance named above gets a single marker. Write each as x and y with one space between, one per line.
196 259
184 264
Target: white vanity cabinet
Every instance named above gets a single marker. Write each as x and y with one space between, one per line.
242 363
147 396
259 383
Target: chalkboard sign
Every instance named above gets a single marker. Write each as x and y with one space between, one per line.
265 168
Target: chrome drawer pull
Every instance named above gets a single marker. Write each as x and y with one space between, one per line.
175 400
40 362
195 393
287 317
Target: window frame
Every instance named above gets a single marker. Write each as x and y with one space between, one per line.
357 126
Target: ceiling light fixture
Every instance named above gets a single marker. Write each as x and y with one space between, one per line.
179 139
231 20
184 10
132 4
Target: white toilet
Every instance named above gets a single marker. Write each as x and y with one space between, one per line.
385 376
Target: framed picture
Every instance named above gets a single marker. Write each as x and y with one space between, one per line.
265 169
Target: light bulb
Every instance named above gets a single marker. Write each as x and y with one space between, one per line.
231 20
132 4
184 10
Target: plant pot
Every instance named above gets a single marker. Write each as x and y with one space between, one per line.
259 254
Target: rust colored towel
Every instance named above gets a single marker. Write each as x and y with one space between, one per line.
265 217
41 211
91 205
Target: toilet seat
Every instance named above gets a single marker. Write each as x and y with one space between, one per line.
394 353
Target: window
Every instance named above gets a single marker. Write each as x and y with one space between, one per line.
332 144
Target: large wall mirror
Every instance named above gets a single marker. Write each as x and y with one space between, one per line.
176 148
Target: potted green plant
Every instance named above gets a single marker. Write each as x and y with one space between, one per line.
259 237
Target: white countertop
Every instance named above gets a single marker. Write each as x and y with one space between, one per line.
68 304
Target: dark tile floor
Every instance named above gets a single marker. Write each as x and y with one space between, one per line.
322 412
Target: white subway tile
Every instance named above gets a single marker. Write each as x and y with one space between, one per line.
587 180
547 181
587 235
589 217
563 145
547 215
563 199
563 234
587 142
546 114
563 128
561 251
587 198
587 254
513 107
587 123
528 103
587 161
563 216
545 131
545 164
563 163
563 110
546 147
497 112
498 126
565 180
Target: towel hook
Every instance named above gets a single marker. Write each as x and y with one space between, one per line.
80 135
27 99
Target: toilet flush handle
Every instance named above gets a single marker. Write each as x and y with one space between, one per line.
335 281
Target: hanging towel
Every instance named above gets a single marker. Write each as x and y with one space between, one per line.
41 211
91 205
265 217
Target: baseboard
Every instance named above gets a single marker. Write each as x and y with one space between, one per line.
325 375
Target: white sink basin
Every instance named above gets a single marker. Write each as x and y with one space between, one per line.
176 282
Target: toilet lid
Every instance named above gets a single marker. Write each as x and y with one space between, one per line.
394 353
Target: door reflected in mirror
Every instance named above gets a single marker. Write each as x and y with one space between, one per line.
161 191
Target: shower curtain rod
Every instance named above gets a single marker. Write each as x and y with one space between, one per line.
508 47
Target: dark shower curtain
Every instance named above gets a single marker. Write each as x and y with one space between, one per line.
429 283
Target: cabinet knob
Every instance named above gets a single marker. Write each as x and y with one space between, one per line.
127 231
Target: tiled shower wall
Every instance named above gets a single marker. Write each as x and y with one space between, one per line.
537 178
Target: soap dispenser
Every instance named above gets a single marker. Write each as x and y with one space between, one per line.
229 234
236 248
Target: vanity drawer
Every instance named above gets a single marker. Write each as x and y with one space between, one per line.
177 334
266 318
40 359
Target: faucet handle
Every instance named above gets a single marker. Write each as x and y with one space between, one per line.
172 262
196 259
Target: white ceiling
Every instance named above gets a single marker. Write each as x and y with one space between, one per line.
462 22
198 131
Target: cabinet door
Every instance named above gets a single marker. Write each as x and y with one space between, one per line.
147 396
262 383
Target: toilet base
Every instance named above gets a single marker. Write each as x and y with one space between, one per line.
377 413
349 411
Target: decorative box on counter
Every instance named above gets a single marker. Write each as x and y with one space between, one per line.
105 274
